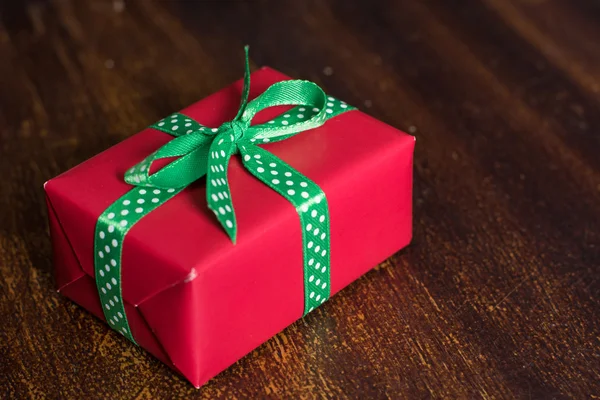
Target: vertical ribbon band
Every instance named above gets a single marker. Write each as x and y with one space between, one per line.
203 151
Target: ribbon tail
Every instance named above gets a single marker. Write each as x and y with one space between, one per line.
178 124
246 88
218 193
311 204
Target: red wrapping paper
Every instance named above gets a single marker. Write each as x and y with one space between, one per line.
195 300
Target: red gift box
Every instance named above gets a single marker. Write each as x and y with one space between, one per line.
195 300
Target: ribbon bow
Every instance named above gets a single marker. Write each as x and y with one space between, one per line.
200 150
205 151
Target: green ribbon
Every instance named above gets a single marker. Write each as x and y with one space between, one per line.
201 151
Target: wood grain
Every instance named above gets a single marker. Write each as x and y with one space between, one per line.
498 295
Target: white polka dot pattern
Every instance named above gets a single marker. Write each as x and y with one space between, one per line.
297 115
311 205
178 124
111 228
217 186
193 132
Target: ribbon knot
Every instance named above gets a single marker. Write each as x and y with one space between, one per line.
235 128
201 151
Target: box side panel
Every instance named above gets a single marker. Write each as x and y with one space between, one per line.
66 264
83 292
173 316
372 214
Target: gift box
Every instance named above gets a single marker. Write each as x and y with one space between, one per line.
188 293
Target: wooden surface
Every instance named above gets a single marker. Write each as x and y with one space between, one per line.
497 296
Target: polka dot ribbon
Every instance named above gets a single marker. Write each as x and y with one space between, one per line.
200 151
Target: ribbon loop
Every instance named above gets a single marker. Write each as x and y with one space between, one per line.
192 150
293 93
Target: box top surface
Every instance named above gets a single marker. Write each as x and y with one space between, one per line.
181 239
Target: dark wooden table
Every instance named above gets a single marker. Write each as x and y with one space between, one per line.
497 296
